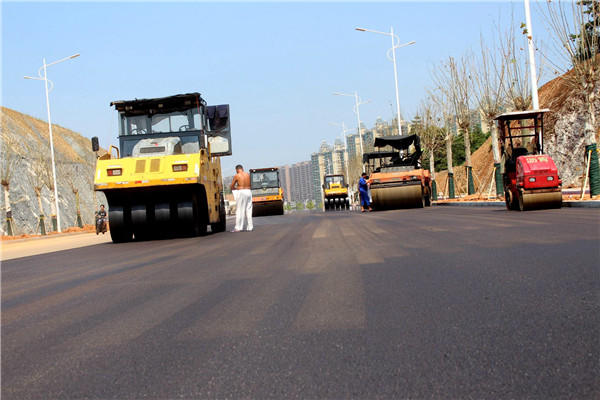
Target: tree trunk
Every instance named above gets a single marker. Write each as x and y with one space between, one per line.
590 138
432 172
53 211
450 167
497 158
468 166
9 230
38 194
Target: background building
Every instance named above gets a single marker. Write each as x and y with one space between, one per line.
296 180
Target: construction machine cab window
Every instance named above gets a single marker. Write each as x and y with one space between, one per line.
263 180
329 180
184 128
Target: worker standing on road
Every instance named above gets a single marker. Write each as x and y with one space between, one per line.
240 186
363 189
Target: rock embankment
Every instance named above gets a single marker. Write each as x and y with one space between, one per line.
25 166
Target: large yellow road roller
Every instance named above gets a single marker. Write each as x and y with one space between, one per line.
396 177
267 194
164 179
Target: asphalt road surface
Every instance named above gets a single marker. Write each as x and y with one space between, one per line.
441 303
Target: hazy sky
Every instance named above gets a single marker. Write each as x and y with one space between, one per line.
276 64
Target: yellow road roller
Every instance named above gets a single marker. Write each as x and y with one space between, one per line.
335 193
267 194
396 177
164 179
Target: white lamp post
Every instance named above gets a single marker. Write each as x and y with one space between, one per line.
46 80
395 40
357 103
534 91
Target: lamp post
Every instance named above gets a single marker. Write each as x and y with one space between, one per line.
531 47
395 40
46 80
357 104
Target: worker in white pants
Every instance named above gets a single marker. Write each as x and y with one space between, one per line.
243 212
240 186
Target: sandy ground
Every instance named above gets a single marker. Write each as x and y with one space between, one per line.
23 248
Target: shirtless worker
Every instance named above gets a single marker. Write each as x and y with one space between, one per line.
240 186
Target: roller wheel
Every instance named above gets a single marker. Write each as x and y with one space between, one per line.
162 213
521 203
220 226
118 230
139 221
336 203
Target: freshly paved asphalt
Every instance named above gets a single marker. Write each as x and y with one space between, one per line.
437 303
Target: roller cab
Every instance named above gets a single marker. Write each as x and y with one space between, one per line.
267 194
531 179
335 192
164 179
395 174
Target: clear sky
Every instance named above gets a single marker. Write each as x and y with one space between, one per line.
276 64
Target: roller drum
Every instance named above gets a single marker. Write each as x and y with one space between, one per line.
408 196
265 209
533 201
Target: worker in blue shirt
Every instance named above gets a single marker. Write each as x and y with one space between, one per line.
363 189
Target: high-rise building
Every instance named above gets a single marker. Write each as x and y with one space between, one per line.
296 181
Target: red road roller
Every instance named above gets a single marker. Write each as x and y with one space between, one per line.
531 178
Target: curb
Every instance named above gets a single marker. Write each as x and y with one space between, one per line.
565 204
581 203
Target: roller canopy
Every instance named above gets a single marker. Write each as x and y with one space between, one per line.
379 154
160 105
399 142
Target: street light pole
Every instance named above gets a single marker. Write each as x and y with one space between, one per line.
45 79
395 40
357 104
534 91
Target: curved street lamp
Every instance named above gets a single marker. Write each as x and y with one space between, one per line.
44 78
395 45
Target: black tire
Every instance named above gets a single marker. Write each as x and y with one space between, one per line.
119 231
220 226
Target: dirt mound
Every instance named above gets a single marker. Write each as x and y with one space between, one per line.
563 139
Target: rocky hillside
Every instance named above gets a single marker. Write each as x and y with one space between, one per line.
563 139
25 166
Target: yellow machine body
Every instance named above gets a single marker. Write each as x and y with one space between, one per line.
164 171
267 193
335 193
165 177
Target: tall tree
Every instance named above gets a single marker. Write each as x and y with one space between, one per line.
453 78
8 163
441 101
432 135
575 31
488 77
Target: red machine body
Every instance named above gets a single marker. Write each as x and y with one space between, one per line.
531 178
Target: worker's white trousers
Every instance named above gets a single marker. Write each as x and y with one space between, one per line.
243 209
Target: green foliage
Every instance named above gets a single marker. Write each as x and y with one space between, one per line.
458 149
310 205
588 41
299 206
287 207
